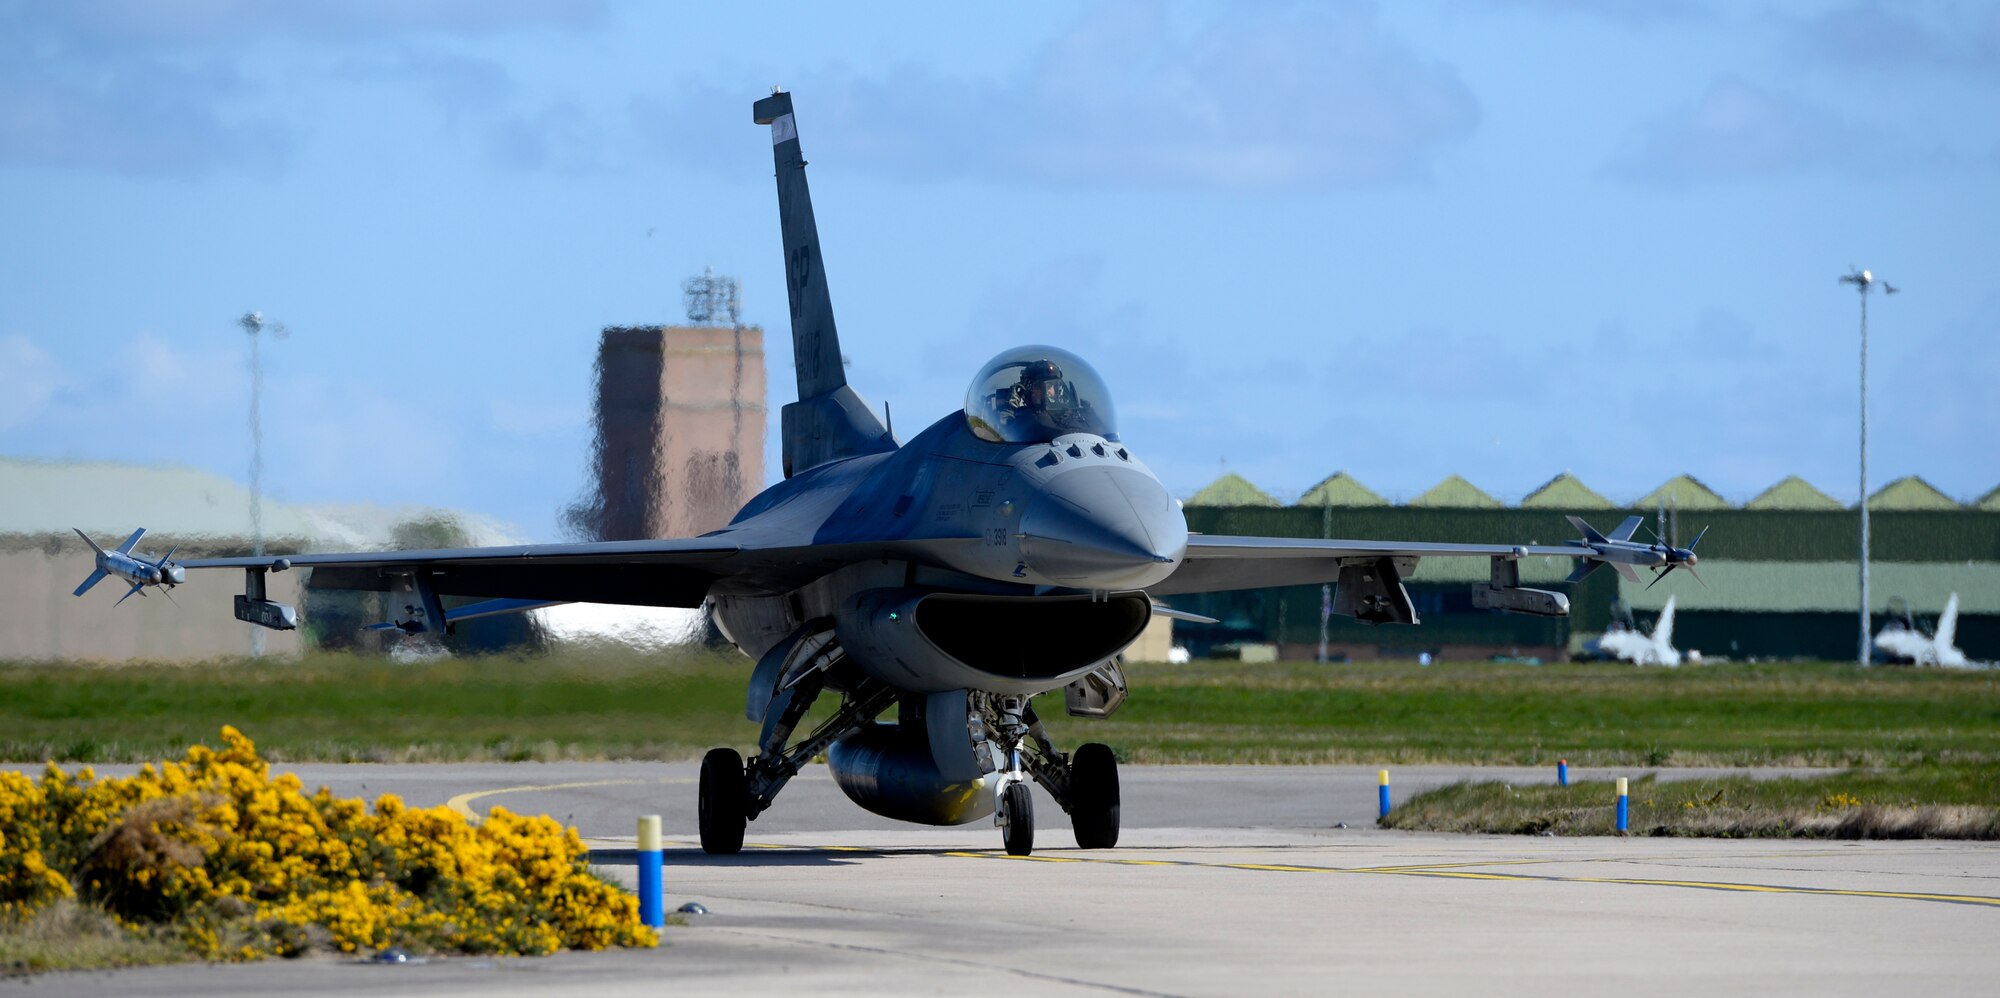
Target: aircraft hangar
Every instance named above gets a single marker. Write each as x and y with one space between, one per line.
1780 568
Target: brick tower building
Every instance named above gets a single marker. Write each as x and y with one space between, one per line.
680 430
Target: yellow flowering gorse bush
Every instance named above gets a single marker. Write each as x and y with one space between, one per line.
240 864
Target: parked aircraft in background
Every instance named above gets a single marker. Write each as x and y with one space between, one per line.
1902 642
1657 648
1012 549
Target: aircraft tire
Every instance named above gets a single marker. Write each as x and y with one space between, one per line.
1017 806
1093 791
725 792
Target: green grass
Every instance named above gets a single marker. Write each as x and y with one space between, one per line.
68 935
346 708
1960 800
622 705
1590 714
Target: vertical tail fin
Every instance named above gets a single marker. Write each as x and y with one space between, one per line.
1663 632
815 342
130 542
1947 631
829 421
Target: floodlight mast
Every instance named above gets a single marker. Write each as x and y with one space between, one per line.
254 324
1863 282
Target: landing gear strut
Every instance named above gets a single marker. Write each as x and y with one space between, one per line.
733 792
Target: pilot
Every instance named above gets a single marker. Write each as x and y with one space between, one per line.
1038 402
1040 386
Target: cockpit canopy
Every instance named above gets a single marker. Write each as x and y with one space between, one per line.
1035 394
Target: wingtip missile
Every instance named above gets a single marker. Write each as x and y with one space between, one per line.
122 563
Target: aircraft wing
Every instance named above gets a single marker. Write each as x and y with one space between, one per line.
676 572
1216 562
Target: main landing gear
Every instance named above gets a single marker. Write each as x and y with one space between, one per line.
1085 784
725 796
733 792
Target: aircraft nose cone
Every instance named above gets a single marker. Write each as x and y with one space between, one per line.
1103 528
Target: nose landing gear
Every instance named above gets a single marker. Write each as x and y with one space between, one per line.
1016 817
1085 784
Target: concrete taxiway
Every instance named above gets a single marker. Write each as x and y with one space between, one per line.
1227 880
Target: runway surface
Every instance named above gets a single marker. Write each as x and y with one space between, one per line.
1226 880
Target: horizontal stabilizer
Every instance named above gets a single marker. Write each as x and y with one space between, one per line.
131 542
1583 569
1624 531
96 576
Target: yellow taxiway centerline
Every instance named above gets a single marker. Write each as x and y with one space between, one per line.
1456 871
462 803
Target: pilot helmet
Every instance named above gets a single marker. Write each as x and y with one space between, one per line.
1041 382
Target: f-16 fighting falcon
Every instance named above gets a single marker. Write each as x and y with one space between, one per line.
936 587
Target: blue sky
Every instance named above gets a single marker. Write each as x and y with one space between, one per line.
1502 239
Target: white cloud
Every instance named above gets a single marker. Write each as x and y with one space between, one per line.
1256 99
1925 37
1734 130
29 380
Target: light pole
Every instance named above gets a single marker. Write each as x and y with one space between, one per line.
253 323
1325 590
1864 282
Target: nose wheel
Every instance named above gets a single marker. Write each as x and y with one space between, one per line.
1084 784
1017 819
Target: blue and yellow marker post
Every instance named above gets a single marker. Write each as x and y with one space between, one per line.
1624 805
1383 794
652 907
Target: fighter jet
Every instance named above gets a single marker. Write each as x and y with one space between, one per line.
1902 642
122 564
1621 552
1656 648
935 587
